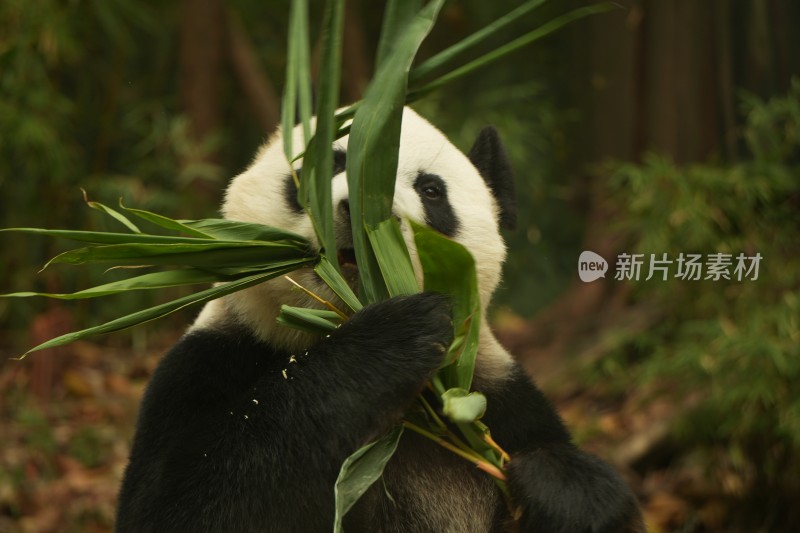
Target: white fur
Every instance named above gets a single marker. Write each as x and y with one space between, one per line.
256 195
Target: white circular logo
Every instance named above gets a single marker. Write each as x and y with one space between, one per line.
591 266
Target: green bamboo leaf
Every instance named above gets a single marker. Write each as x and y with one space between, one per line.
165 222
153 280
234 272
449 268
513 46
393 258
304 90
297 89
361 470
396 16
289 100
456 347
446 56
113 213
232 230
336 282
326 314
373 146
101 237
317 173
317 321
462 406
342 116
212 255
162 310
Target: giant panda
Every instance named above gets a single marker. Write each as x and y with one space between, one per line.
245 423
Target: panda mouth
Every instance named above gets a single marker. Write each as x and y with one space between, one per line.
346 256
347 262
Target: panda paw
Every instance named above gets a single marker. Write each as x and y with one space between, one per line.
561 489
417 327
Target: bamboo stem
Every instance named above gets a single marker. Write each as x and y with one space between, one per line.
487 438
443 426
323 301
479 462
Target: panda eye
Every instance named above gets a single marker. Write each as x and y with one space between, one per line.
432 191
439 214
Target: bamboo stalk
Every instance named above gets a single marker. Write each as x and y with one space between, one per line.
478 461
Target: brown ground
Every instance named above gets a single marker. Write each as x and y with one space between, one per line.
67 421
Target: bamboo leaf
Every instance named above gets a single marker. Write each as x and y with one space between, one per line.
304 91
297 91
231 230
100 237
393 259
462 406
113 213
216 254
396 16
228 273
449 268
165 222
289 100
153 280
317 321
361 470
317 173
336 282
446 56
373 146
513 46
217 231
162 310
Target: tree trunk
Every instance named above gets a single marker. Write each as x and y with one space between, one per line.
261 94
202 36
657 76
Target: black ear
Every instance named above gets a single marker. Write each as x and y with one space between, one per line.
489 157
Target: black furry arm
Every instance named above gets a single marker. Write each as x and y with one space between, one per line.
558 487
520 416
234 435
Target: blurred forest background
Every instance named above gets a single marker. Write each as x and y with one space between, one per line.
667 126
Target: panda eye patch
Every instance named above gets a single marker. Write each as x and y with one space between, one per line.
439 214
430 187
290 194
339 161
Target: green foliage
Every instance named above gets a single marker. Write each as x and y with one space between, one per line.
524 105
449 268
93 112
734 343
384 264
237 255
215 251
359 471
374 141
84 104
462 406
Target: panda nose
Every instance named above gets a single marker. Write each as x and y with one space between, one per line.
344 209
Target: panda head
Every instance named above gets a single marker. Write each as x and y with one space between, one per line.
467 198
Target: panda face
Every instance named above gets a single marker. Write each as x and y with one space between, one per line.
437 185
